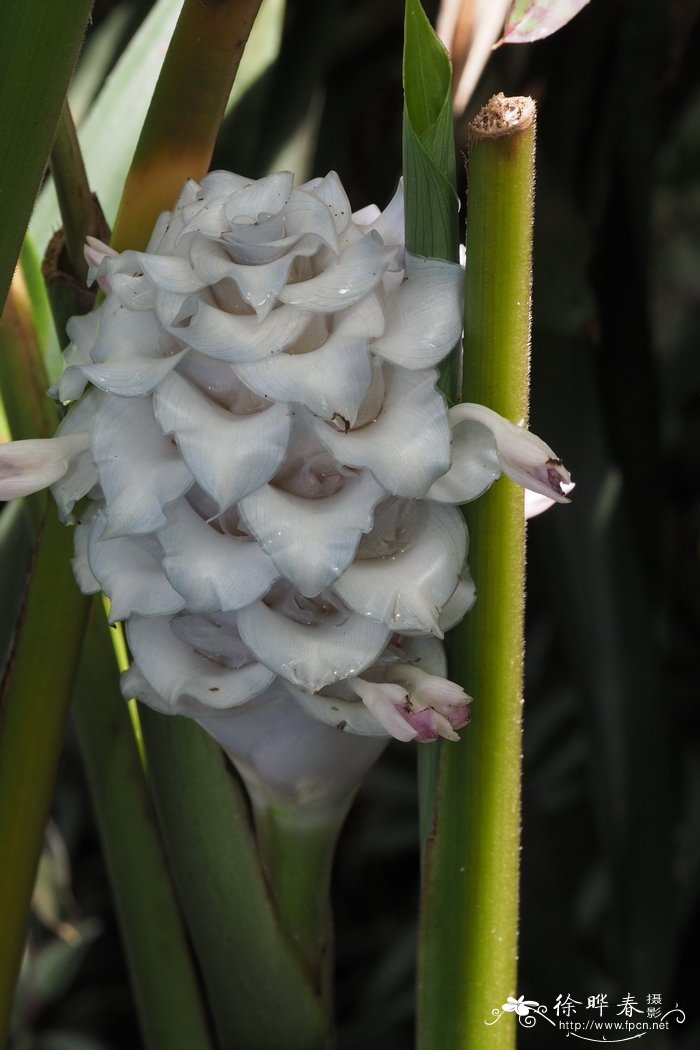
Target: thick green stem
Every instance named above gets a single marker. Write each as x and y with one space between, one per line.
246 960
74 195
64 267
297 846
161 969
469 918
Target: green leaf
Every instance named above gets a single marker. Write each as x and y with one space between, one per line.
530 20
161 969
34 697
177 139
16 551
39 44
101 51
39 306
109 133
261 51
428 141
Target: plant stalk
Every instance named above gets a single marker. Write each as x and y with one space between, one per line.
246 960
469 919
75 198
297 847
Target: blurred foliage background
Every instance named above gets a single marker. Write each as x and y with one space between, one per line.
611 847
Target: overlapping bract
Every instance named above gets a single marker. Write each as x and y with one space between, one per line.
269 464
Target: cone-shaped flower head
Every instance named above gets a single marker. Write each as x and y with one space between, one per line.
270 469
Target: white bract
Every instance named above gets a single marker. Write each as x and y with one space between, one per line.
269 469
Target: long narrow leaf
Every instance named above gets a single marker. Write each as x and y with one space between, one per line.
109 133
34 700
162 974
39 45
183 120
428 141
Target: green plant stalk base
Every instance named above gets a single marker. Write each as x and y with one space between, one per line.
471 790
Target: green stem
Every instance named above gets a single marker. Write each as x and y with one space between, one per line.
73 191
34 699
246 960
297 846
162 974
469 918
64 267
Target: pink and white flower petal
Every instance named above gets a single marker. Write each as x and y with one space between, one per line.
133 374
212 570
134 686
312 541
485 445
309 219
95 251
214 635
358 270
537 503
82 331
433 692
32 465
364 320
124 332
185 681
221 184
259 286
284 754
329 190
311 655
172 273
139 467
407 446
387 702
80 565
81 477
424 314
345 716
268 195
238 338
459 603
169 224
129 572
408 590
389 223
230 456
331 381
